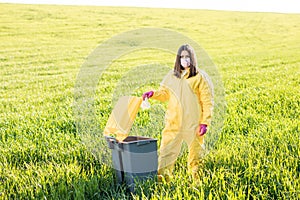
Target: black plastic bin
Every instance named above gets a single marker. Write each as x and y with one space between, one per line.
134 158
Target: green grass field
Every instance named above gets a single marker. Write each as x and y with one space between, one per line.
257 155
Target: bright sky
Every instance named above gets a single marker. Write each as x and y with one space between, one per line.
282 6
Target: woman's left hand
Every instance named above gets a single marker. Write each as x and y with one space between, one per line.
202 129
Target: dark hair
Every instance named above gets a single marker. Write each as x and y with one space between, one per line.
178 67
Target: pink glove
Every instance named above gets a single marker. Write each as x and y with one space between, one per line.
148 94
202 129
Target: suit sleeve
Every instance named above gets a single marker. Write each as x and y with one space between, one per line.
206 98
162 94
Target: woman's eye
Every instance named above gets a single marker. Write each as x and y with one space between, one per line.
184 56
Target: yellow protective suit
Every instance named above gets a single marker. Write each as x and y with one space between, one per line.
190 104
122 117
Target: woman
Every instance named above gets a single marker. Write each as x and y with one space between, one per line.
190 104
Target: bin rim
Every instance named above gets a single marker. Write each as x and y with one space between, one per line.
139 138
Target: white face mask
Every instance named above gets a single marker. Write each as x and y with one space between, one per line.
185 62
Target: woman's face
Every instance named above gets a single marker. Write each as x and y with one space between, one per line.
185 59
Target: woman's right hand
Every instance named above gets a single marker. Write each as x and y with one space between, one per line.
147 95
